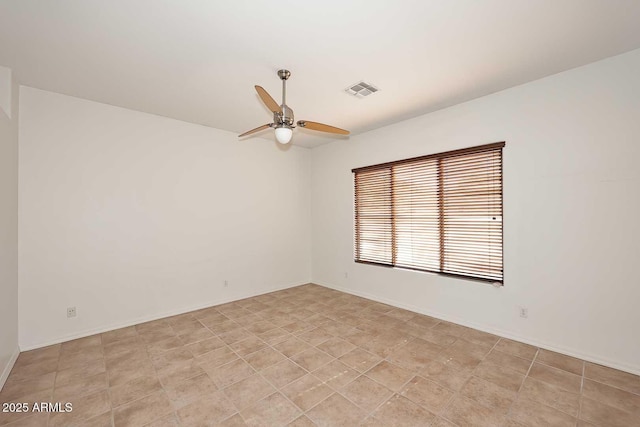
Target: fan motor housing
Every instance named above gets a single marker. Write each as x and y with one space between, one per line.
286 117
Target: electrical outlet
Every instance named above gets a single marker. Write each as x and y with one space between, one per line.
524 312
226 283
71 312
346 275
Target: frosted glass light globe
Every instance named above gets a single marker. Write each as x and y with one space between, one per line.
283 135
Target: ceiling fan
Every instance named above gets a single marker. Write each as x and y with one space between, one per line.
283 115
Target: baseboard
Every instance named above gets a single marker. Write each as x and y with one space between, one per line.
9 367
89 332
499 332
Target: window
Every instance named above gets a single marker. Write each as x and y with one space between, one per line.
440 213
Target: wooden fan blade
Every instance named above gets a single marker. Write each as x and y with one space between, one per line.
321 127
268 100
258 129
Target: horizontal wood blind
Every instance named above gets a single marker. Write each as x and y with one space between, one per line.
440 213
417 215
374 223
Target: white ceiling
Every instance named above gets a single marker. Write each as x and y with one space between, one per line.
197 60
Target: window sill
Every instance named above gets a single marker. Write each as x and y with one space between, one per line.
492 282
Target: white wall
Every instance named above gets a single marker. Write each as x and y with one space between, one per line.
6 89
8 223
129 216
571 206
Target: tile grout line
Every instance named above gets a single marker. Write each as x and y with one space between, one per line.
277 390
106 370
221 389
238 411
533 361
337 391
56 376
55 379
584 369
526 375
108 389
456 393
393 393
113 409
162 386
333 389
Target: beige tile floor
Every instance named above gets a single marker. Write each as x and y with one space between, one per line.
314 356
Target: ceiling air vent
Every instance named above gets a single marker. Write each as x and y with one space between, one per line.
362 89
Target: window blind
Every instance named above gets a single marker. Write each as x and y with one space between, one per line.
440 213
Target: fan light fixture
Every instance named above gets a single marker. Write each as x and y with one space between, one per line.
283 121
283 134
